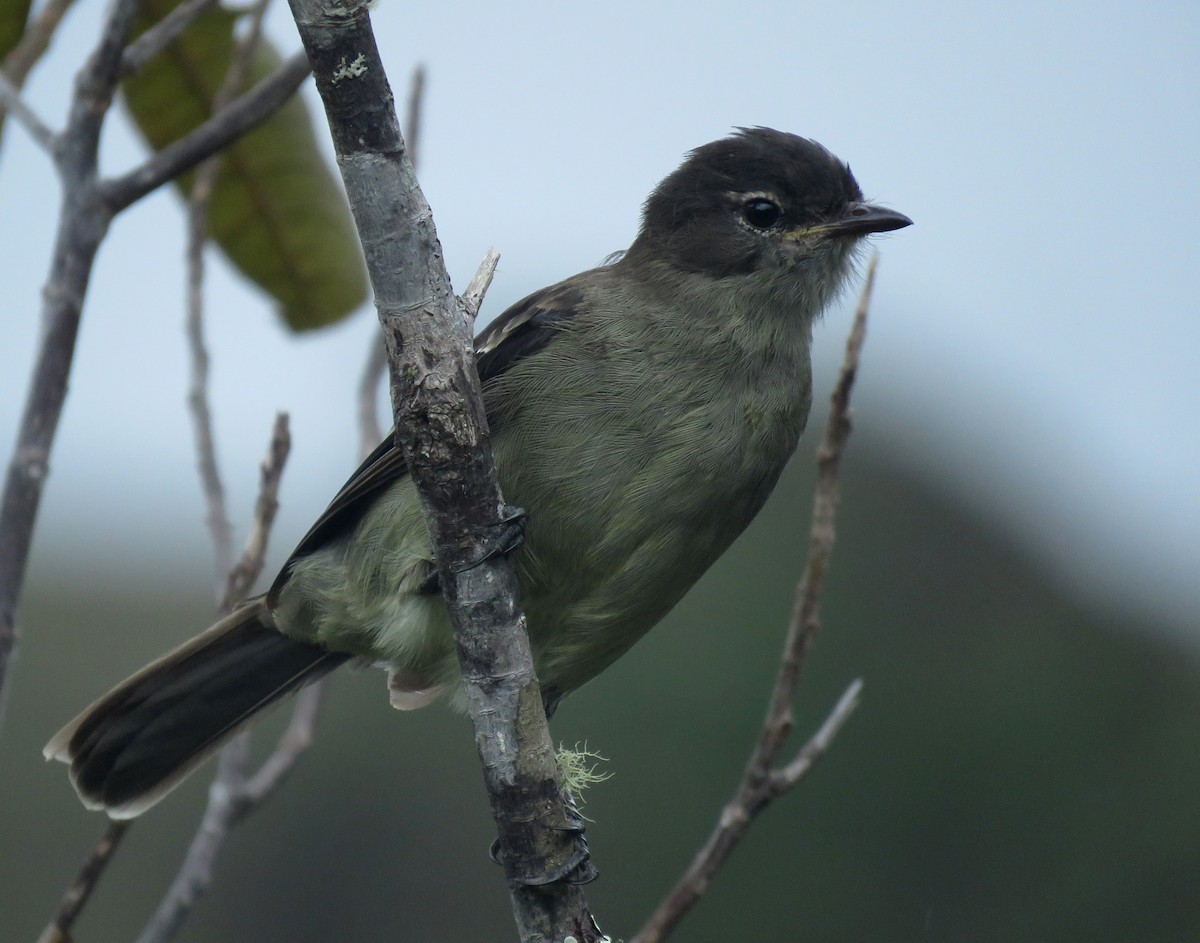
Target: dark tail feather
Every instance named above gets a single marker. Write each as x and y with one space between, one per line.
140 740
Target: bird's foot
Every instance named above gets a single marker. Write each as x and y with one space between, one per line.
530 869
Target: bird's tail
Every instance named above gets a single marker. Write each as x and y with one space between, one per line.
139 741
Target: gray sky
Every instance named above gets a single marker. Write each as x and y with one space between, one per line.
1035 335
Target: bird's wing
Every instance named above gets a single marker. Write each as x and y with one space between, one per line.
521 331
526 327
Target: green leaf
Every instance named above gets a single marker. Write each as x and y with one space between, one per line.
276 211
13 16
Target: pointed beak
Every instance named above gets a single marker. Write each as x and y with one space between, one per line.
862 219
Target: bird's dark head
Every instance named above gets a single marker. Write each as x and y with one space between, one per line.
759 200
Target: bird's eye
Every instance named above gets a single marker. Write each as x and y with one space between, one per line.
760 213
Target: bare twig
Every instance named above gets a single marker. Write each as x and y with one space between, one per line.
19 62
82 225
246 570
818 745
12 103
370 430
292 744
59 928
33 43
226 800
481 281
198 403
222 129
159 36
368 416
217 517
412 118
761 783
226 808
234 793
89 207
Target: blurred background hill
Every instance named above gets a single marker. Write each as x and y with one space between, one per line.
1022 766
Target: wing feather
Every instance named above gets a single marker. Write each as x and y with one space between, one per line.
520 332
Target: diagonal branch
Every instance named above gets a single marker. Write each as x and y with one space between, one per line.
12 103
235 792
440 423
20 62
94 88
35 40
761 783
82 224
159 36
76 897
89 206
369 428
243 574
197 216
481 281
227 802
244 114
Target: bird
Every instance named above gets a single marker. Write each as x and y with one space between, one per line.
641 412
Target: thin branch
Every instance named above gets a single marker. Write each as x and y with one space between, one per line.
94 88
226 796
88 209
222 129
292 744
34 41
412 118
82 224
159 36
59 928
761 783
19 62
234 793
806 611
439 420
247 569
818 745
12 103
217 516
227 807
376 366
370 430
198 402
481 281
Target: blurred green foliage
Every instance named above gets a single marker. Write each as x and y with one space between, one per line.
1021 768
13 16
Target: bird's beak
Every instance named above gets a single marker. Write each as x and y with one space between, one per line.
862 219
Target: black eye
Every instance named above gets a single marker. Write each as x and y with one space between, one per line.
760 213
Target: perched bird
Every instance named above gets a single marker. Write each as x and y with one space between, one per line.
641 413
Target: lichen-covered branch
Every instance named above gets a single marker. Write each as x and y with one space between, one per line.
369 428
442 431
